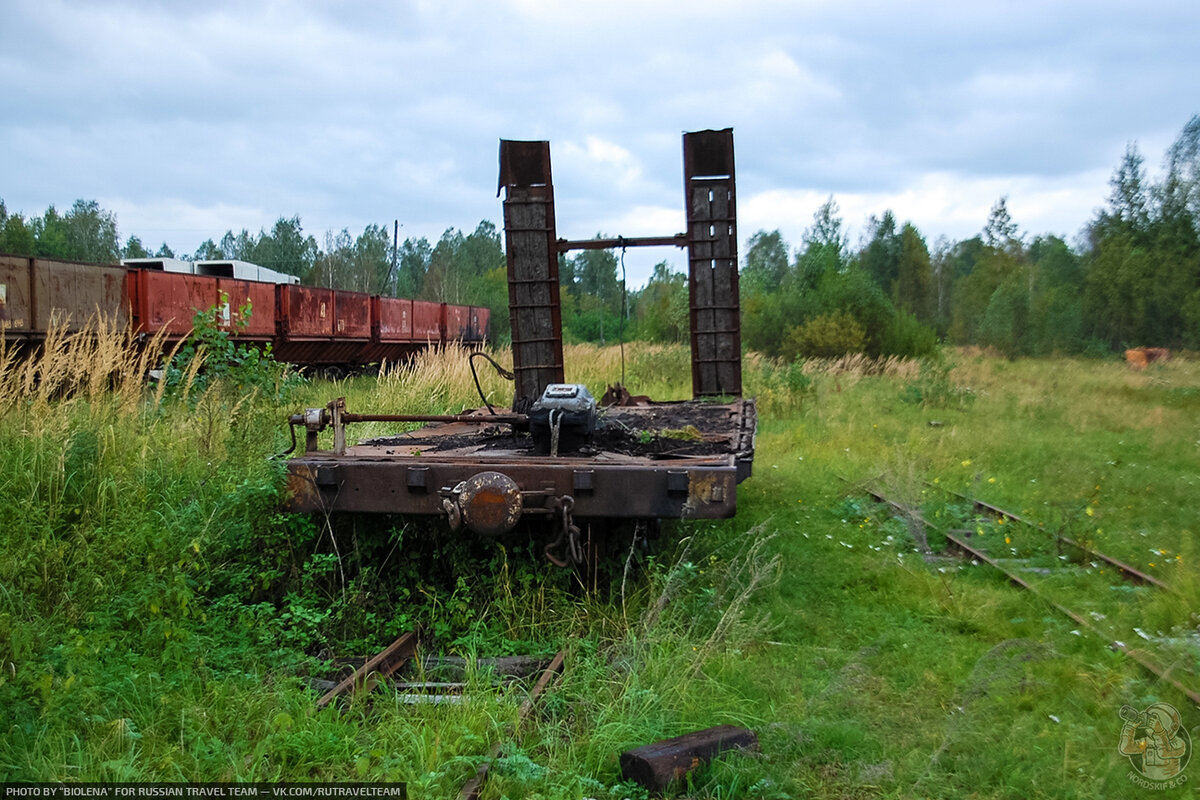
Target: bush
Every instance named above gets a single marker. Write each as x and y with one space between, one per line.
241 366
908 337
934 387
827 336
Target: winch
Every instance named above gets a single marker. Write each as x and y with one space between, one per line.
563 419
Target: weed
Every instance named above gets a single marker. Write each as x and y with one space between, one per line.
159 618
210 354
934 388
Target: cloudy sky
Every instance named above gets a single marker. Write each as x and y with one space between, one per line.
191 118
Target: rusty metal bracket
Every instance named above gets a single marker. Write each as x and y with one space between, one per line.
366 677
678 240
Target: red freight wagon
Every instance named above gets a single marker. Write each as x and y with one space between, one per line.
257 298
427 321
352 315
306 312
168 301
393 315
457 323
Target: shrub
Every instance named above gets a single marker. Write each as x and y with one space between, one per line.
934 387
240 366
829 335
908 337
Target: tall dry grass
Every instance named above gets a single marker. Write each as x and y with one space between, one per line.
438 380
861 365
102 362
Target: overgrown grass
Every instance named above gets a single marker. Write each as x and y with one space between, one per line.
159 619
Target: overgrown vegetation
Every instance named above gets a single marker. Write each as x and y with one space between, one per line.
211 356
159 618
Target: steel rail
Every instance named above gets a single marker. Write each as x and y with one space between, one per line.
1137 656
367 677
1126 570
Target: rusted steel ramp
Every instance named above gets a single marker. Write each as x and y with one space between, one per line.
708 177
556 460
532 255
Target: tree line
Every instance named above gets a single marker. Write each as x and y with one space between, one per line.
1133 277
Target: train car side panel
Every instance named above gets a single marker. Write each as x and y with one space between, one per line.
307 311
458 323
259 301
16 312
352 315
395 318
427 321
480 317
70 294
169 301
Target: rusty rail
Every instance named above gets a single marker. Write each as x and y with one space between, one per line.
1137 656
1126 571
474 786
505 419
367 677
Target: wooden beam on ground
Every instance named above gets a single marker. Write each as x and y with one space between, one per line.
655 766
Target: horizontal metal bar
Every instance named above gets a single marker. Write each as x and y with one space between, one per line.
678 240
506 418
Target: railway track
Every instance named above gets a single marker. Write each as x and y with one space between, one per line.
392 658
1126 571
958 545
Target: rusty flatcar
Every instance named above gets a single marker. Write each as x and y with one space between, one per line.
559 462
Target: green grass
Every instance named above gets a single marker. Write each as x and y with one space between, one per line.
159 618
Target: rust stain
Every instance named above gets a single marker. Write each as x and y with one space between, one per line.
302 487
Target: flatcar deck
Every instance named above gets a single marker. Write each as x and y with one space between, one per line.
665 460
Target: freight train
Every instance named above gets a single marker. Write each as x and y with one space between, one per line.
305 325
